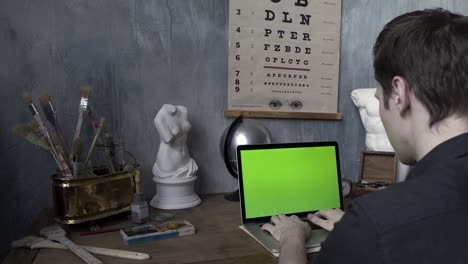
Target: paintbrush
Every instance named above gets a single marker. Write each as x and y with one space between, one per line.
76 154
106 155
84 95
77 150
29 102
65 166
35 129
96 136
43 129
92 120
51 116
24 131
110 148
32 242
56 233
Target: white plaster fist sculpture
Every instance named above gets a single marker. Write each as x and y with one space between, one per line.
174 169
368 105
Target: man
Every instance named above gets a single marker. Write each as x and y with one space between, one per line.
421 66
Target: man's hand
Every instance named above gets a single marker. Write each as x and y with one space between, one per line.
326 218
285 226
292 233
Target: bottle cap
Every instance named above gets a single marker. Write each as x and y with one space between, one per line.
138 197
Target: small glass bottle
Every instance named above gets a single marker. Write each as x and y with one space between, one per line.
139 209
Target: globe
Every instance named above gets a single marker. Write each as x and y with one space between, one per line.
241 132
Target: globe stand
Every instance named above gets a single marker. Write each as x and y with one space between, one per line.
233 197
240 132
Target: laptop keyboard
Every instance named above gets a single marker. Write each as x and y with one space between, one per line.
312 225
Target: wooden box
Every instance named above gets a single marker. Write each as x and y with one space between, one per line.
377 171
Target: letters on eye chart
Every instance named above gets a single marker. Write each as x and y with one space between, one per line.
284 55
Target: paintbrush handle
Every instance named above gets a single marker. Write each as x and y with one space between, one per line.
62 141
96 250
93 122
98 132
100 231
78 125
65 168
61 157
106 156
45 133
117 253
109 162
79 251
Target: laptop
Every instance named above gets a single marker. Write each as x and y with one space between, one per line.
287 178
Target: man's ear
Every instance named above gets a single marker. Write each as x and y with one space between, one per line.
400 94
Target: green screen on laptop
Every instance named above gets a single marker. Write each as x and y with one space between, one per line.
289 180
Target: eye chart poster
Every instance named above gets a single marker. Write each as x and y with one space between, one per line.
284 55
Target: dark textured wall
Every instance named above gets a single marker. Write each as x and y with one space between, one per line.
138 55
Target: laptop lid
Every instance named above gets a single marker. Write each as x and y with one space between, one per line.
288 178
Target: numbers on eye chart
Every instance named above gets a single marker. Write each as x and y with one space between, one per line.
240 44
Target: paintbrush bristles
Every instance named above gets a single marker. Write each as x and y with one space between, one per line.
49 112
20 130
27 242
25 131
52 232
85 91
44 99
34 125
27 99
105 130
29 102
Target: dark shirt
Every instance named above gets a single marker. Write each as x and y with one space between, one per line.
421 220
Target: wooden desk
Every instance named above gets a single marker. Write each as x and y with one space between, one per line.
218 239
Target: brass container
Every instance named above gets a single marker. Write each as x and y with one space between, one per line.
79 200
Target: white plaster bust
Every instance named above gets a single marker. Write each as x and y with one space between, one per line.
173 161
376 137
368 105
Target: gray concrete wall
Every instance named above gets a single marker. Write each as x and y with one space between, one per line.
138 55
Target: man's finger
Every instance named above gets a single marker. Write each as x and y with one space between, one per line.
268 227
333 215
327 213
275 219
282 216
327 225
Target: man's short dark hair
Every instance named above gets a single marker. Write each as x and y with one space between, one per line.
429 49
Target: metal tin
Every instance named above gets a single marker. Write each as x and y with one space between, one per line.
79 200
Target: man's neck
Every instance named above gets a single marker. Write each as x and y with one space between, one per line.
428 138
